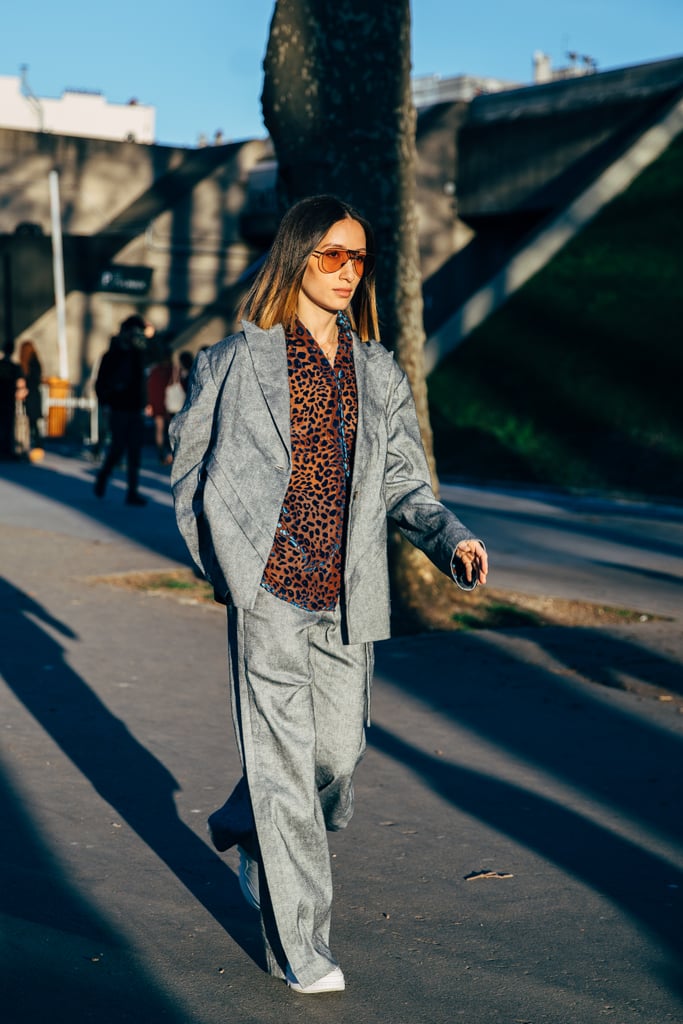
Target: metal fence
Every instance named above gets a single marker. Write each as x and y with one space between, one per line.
59 406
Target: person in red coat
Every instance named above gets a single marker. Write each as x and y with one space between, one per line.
160 376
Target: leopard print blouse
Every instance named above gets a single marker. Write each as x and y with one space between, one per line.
305 563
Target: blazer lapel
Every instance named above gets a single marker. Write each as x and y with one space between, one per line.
269 357
371 387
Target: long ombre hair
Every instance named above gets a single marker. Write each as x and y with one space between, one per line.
27 354
273 297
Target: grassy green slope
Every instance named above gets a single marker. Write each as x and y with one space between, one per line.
578 380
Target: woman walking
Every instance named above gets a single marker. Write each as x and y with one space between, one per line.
297 442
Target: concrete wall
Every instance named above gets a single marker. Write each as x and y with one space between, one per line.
523 156
515 146
174 211
442 232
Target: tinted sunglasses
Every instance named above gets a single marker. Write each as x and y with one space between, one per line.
333 259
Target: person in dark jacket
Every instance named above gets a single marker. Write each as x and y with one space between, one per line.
12 390
185 361
121 386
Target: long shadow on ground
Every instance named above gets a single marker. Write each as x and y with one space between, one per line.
607 752
123 772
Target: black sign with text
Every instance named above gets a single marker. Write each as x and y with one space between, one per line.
125 280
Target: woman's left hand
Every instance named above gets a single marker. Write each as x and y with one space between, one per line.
472 554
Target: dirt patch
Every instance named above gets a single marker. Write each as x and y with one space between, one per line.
484 608
487 608
179 584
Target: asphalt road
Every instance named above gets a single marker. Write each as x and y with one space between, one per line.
516 851
586 548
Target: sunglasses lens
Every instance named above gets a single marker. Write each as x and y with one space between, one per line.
359 264
332 260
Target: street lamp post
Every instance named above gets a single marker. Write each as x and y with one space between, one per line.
58 275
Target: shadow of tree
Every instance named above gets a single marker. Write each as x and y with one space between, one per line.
647 887
68 482
60 960
122 771
499 689
600 657
502 689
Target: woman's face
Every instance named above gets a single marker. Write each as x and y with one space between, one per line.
332 292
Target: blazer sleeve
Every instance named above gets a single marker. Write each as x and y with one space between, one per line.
410 500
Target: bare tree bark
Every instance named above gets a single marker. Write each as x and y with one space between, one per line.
338 106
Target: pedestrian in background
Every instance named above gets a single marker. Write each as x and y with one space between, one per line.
161 375
185 361
298 440
33 375
121 387
12 391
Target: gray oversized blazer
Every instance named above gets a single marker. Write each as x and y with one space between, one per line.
232 462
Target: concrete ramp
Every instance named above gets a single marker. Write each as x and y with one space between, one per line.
547 241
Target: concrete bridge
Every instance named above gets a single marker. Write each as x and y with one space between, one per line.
534 165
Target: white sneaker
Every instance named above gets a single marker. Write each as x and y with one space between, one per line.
248 878
332 982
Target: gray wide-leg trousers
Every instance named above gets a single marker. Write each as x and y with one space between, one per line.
300 699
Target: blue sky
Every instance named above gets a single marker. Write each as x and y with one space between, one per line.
199 63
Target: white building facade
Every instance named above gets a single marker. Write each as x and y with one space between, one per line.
85 114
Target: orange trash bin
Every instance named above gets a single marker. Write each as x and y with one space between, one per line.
57 414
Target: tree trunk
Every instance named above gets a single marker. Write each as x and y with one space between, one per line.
338 106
